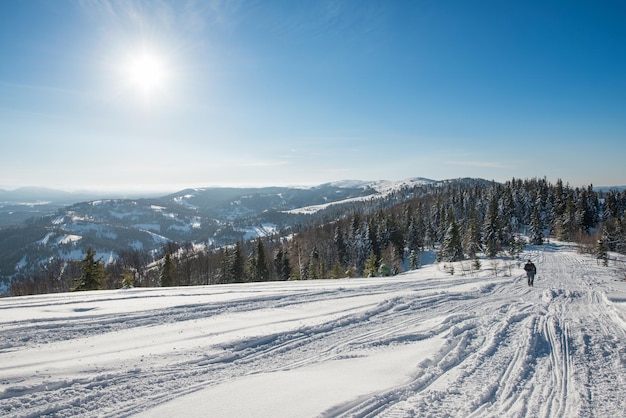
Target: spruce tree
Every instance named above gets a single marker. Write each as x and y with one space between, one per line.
452 249
340 246
371 268
260 272
567 221
412 237
168 271
601 250
536 228
314 268
236 265
282 265
92 272
127 279
620 235
491 235
473 236
414 260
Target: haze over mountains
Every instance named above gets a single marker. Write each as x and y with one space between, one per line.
39 224
18 205
42 229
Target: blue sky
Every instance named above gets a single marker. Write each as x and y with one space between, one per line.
158 95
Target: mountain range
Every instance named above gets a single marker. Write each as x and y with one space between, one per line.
39 225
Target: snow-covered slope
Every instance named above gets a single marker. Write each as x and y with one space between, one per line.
382 189
425 343
383 186
221 216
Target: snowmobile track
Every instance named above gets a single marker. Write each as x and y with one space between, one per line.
484 346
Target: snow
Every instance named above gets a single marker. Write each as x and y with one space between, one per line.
20 264
68 239
136 245
382 187
424 343
263 230
44 240
184 201
309 210
148 227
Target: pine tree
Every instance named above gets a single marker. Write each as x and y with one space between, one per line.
282 265
168 271
260 272
340 246
412 237
567 221
452 249
223 271
360 246
236 265
620 235
414 260
477 264
419 239
583 214
371 268
127 279
92 272
473 236
314 268
601 250
491 235
536 228
431 234
506 213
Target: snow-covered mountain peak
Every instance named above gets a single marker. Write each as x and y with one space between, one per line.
382 186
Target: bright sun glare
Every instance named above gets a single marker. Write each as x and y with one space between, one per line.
147 72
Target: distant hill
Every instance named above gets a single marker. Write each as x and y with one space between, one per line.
36 226
16 206
607 188
34 195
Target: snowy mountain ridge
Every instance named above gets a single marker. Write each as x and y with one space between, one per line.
382 188
212 215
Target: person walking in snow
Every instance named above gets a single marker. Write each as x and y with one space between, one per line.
531 270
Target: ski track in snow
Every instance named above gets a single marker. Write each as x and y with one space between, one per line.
469 346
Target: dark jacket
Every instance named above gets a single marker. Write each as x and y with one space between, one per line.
530 268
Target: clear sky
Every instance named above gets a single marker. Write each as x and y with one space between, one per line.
164 95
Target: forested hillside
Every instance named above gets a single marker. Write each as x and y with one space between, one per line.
452 220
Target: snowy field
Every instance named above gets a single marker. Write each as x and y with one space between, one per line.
422 344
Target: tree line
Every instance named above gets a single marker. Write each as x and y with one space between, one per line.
455 220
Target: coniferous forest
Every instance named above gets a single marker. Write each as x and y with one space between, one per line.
451 221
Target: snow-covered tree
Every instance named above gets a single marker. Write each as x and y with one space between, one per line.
414 260
491 234
536 228
452 250
601 250
473 236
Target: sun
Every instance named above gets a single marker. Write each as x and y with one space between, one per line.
147 72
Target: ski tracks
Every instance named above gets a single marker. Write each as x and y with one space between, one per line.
557 353
489 347
481 335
